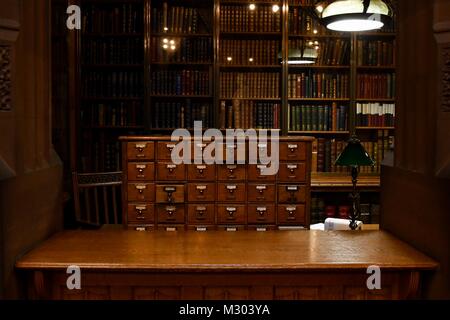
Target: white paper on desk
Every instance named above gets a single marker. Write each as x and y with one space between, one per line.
340 224
318 226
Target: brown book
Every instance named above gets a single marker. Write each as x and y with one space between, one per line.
314 157
320 155
223 114
237 113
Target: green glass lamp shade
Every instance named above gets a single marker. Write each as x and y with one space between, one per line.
354 155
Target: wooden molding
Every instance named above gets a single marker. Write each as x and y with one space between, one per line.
445 80
6 53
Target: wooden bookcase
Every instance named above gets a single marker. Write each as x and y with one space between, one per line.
224 62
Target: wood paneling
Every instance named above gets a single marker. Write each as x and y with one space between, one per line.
30 192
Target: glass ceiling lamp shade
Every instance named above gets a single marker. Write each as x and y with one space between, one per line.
356 15
295 56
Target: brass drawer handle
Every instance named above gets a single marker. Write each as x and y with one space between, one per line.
141 188
140 147
201 169
292 188
171 167
140 210
293 147
291 211
232 189
292 168
201 189
201 211
171 211
231 212
261 211
170 147
231 169
261 189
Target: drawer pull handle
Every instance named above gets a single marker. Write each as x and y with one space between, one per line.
140 210
171 167
293 147
140 148
231 189
261 189
231 212
170 191
141 189
231 169
141 168
170 147
291 211
201 211
292 168
171 211
201 169
201 189
261 211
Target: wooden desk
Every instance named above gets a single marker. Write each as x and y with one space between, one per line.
119 264
343 183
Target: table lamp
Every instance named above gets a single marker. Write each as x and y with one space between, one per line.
354 156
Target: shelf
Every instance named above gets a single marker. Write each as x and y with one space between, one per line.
181 35
390 68
180 96
109 35
182 63
293 66
246 3
112 66
376 100
113 127
319 132
256 99
377 34
112 99
375 128
319 36
320 99
342 182
259 34
224 66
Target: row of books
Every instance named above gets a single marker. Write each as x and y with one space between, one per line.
101 154
243 19
302 2
318 117
237 114
375 115
180 82
113 51
250 85
188 50
301 23
331 52
377 150
323 208
376 53
249 52
175 19
312 84
117 18
113 114
376 86
181 114
113 84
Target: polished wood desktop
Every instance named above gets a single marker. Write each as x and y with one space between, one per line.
218 265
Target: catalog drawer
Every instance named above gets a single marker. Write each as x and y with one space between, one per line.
141 213
261 214
261 193
201 214
291 194
231 192
292 172
141 171
293 151
231 214
260 173
170 214
141 192
201 192
170 193
164 150
167 171
141 150
231 172
201 172
291 214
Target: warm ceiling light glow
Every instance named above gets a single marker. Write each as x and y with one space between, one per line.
251 60
165 47
317 47
356 15
319 8
275 8
166 29
173 47
311 43
172 41
229 59
315 31
316 43
252 6
165 40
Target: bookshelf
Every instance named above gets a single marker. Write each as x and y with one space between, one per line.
181 64
151 67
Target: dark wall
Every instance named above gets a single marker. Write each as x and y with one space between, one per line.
416 189
30 171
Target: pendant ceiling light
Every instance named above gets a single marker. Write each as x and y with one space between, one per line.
355 15
295 56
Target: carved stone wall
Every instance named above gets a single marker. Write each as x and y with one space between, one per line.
5 78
